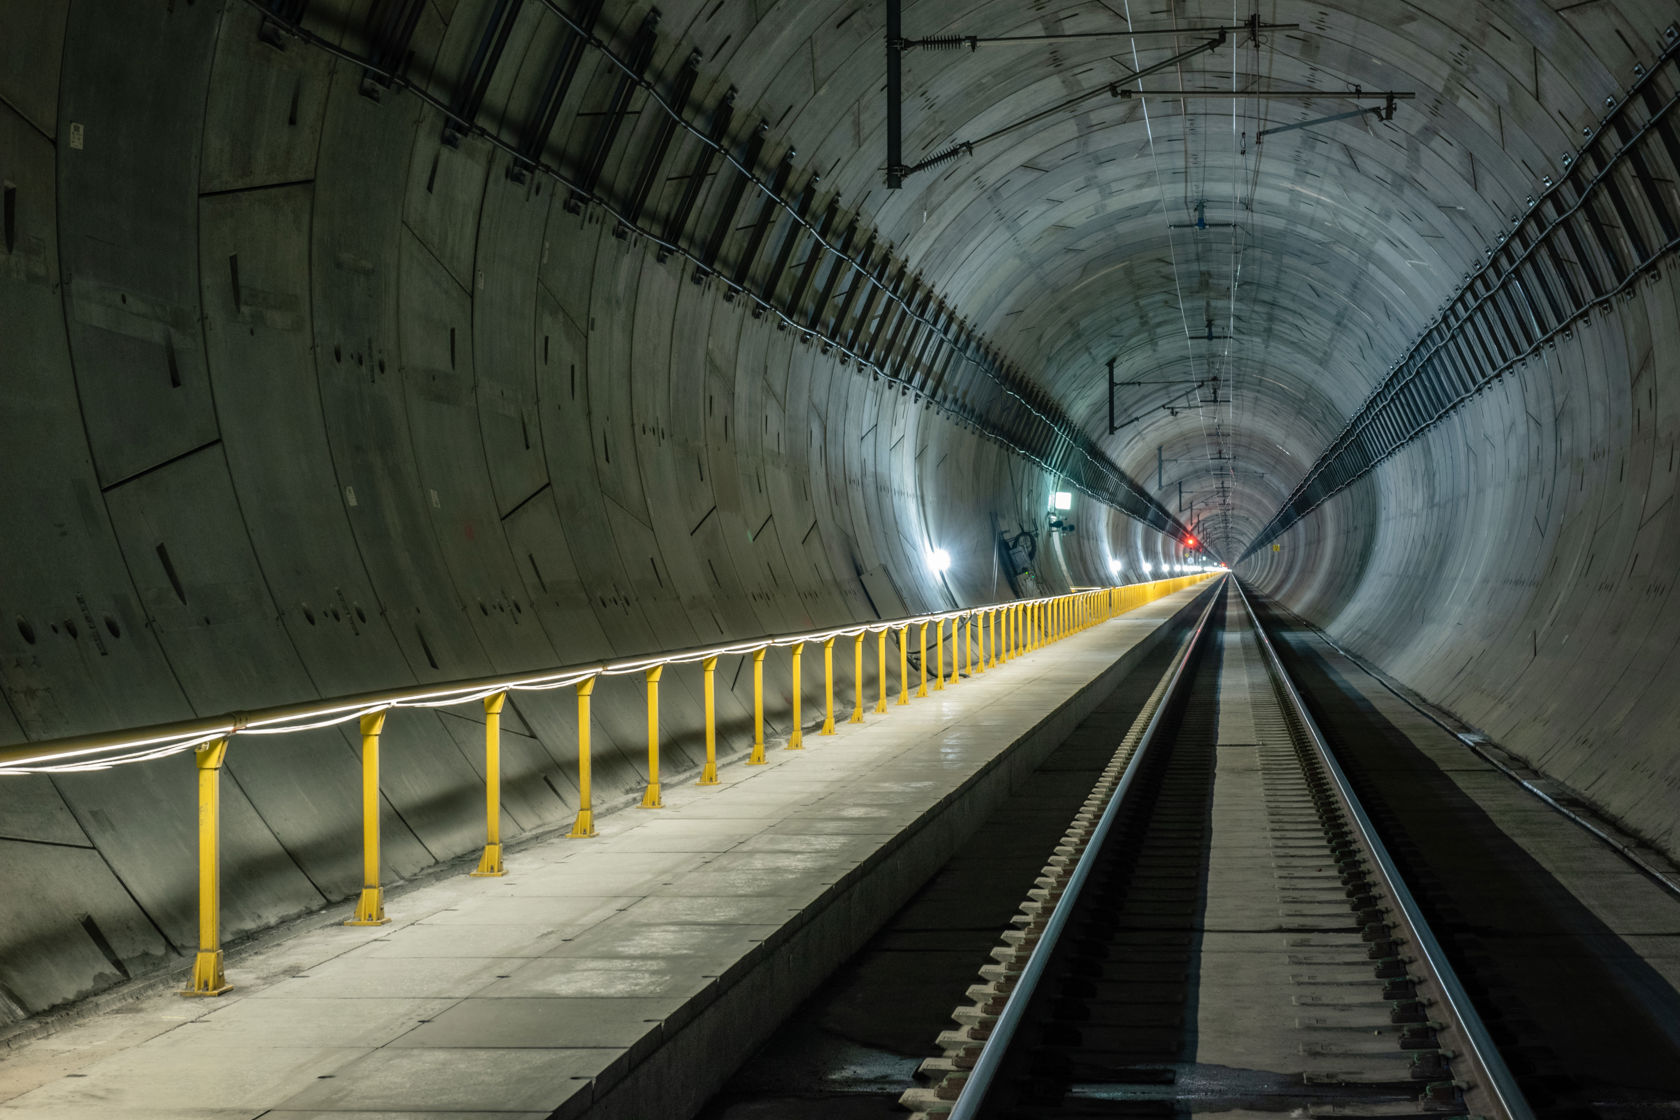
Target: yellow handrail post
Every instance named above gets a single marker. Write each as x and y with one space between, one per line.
904 664
968 649
207 977
708 774
584 826
939 645
1008 635
490 863
757 756
651 798
828 686
796 737
857 678
980 640
881 671
921 666
370 907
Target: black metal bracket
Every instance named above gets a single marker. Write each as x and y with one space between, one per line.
1384 112
897 172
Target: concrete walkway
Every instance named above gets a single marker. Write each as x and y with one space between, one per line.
627 974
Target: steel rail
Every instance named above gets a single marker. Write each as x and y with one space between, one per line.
1473 741
1500 1081
992 1053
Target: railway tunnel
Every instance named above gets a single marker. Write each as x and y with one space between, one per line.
356 348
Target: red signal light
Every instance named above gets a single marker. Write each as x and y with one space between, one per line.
1190 540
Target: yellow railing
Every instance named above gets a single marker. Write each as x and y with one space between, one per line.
981 638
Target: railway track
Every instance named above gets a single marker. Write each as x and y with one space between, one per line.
1220 930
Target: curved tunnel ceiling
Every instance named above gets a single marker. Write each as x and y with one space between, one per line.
1324 249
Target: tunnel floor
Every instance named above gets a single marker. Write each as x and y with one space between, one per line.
620 976
853 1048
1570 954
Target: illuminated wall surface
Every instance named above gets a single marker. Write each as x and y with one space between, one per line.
308 390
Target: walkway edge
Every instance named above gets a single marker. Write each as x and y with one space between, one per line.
696 1050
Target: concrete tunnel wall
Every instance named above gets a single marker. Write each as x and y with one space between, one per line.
301 402
291 411
1517 564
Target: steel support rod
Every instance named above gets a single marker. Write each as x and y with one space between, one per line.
757 756
651 798
1351 113
904 664
954 42
584 826
1276 94
490 863
796 737
207 977
1111 428
939 665
708 773
857 678
828 687
881 670
370 906
966 147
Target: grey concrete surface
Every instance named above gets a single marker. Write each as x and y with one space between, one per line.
625 975
301 400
